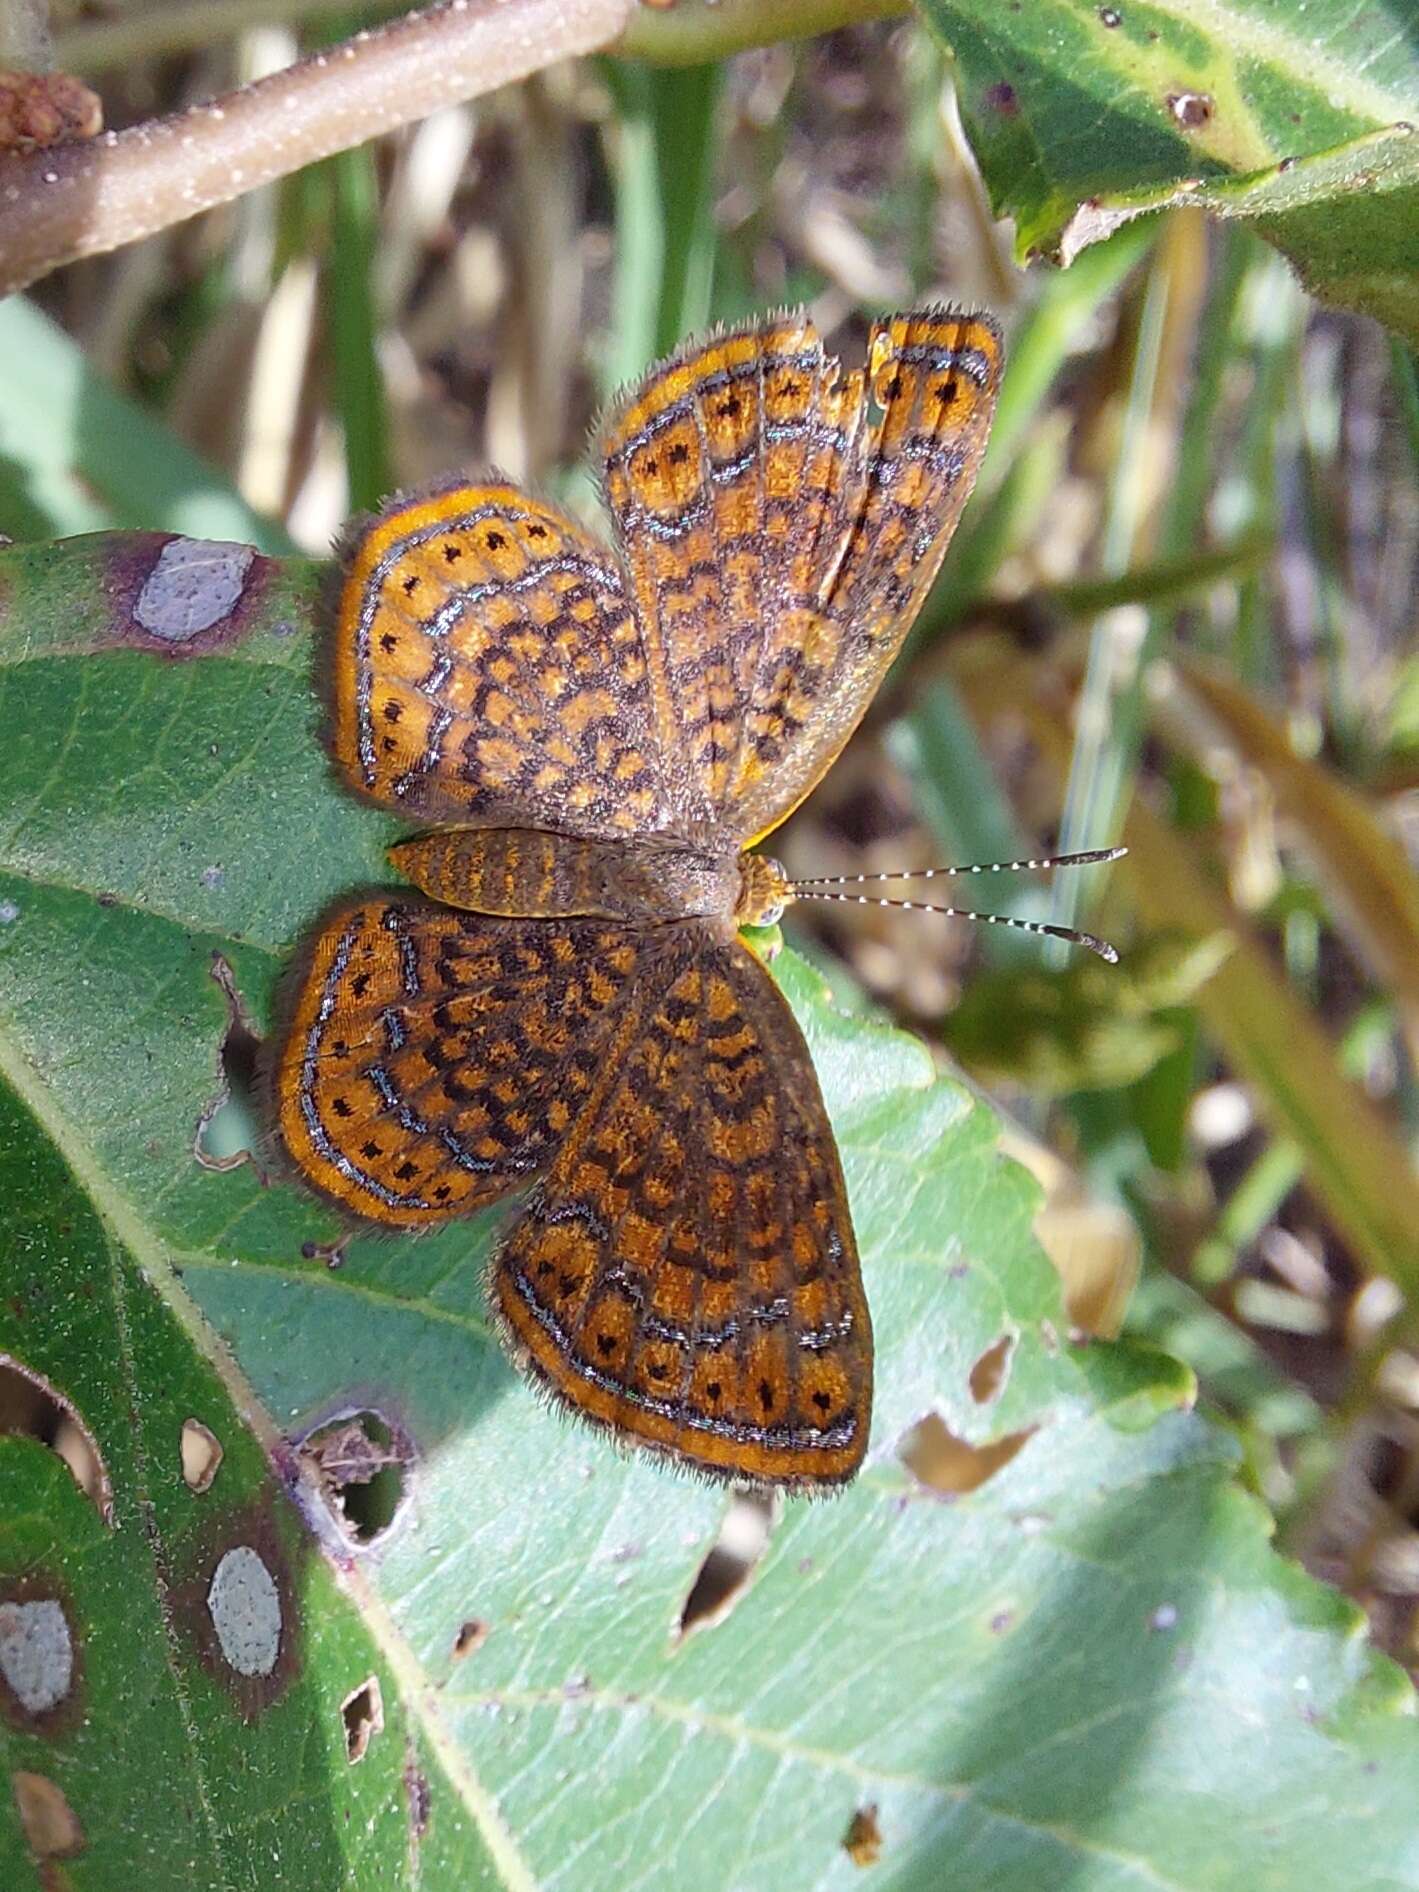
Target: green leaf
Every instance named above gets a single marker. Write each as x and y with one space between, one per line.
664 148
1293 115
177 1660
1091 1669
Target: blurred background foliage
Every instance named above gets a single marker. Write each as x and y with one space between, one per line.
1181 610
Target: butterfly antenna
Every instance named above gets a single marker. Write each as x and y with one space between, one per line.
828 886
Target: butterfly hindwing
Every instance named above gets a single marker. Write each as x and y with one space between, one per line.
685 1273
435 1059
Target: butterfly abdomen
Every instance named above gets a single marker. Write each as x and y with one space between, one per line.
529 873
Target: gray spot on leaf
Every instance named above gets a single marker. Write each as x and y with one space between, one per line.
193 585
245 1606
36 1653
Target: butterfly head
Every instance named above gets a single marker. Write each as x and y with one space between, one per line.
764 891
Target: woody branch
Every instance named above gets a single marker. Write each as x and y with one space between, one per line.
82 199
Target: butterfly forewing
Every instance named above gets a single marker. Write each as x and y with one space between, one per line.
714 471
686 1274
781 524
881 530
488 667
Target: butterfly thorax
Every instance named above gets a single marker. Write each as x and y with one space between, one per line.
532 873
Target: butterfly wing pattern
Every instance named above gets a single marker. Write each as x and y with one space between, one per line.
436 1059
683 1270
687 1269
487 668
779 542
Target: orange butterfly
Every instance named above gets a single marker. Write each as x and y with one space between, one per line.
600 737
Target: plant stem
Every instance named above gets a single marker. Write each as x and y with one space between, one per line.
687 34
695 31
83 199
161 32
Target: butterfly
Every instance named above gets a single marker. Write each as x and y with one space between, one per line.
594 738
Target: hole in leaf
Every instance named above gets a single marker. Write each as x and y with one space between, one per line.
51 1826
331 1253
362 1711
471 1636
1191 110
31 1406
229 1128
862 1841
729 1563
202 1455
933 1453
991 1370
361 1461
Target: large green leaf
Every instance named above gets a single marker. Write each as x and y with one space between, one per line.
1296 115
178 1662
1089 1671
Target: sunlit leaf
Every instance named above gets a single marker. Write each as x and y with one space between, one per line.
1297 117
1091 1669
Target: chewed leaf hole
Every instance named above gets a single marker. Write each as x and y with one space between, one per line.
472 1634
362 1711
331 1253
991 1370
229 1129
51 1826
201 1453
862 1841
362 1463
31 1406
729 1563
933 1453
